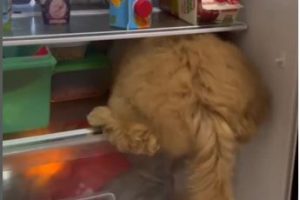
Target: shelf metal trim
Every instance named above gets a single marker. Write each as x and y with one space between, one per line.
83 37
54 140
48 137
112 35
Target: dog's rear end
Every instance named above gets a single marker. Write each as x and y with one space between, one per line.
196 96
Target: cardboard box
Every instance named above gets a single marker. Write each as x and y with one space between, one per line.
56 11
130 14
203 11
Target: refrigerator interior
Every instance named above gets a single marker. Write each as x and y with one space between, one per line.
265 166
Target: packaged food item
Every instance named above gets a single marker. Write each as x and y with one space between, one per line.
6 14
74 51
220 11
55 11
130 14
203 11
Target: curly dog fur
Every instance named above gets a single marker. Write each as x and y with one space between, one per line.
188 96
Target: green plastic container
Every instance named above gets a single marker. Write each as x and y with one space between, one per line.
26 88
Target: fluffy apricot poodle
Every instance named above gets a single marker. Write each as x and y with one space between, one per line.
194 97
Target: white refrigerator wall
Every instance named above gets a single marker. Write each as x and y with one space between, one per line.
264 168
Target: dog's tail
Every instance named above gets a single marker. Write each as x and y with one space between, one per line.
211 168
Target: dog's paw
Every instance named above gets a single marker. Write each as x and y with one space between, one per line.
137 140
99 116
144 141
152 146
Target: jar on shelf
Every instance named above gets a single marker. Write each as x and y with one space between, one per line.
56 11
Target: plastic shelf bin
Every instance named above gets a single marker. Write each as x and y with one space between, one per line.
26 87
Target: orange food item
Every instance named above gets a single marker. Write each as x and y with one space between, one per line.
43 173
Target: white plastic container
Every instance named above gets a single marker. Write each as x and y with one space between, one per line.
72 51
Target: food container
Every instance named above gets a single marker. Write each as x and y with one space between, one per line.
219 11
73 51
27 72
130 14
55 11
203 11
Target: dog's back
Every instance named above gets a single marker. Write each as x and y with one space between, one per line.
200 98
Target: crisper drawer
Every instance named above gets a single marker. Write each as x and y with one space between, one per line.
76 165
73 169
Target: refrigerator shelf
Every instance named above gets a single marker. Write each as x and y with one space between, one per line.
92 25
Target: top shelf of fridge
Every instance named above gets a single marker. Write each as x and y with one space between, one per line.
92 25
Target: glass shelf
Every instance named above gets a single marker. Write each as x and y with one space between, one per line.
92 25
53 140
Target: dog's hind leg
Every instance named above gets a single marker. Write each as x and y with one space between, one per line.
127 136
